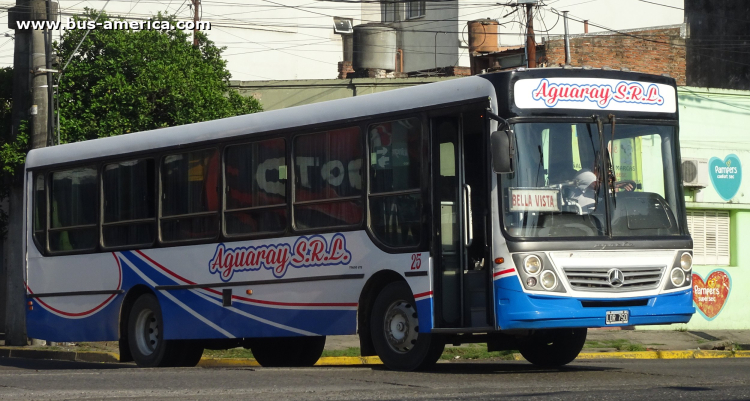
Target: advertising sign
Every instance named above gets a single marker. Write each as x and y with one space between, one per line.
711 295
726 175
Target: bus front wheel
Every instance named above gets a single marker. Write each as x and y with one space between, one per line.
146 338
288 351
394 329
553 347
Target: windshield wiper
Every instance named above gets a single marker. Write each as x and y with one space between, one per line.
597 162
606 166
610 164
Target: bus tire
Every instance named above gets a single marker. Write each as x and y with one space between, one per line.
553 347
285 352
394 327
146 335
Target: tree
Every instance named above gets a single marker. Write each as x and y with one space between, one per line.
13 148
122 81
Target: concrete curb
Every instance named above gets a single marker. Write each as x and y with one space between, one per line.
73 356
324 361
111 357
697 354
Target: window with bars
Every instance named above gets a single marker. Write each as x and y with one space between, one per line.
710 232
389 10
415 9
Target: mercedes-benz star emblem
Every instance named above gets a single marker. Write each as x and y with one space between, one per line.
616 278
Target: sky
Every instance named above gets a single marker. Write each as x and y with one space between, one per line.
294 39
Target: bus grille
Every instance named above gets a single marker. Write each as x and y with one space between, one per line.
598 278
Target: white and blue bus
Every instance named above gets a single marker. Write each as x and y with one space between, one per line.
515 209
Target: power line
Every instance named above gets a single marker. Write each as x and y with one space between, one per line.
663 5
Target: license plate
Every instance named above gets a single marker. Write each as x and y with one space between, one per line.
618 317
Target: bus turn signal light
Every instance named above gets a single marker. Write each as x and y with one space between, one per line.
249 292
499 261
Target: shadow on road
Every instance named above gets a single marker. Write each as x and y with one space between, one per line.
504 368
40 364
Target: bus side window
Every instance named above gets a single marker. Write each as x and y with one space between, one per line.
73 210
129 204
395 185
190 193
255 175
40 212
328 179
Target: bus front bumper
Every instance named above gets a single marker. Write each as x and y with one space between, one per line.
519 310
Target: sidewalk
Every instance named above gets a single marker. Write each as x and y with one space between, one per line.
673 340
604 340
600 344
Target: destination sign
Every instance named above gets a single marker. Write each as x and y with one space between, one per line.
594 93
534 200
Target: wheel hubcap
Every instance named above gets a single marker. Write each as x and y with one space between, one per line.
146 332
401 326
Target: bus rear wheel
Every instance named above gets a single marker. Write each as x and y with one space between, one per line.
553 347
146 338
284 352
394 327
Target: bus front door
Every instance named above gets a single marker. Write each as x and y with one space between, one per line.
460 190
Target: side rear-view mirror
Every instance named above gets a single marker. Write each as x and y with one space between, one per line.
503 150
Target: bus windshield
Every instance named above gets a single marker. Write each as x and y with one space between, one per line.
563 174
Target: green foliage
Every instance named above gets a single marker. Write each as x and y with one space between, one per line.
475 351
12 148
228 353
126 81
13 151
122 81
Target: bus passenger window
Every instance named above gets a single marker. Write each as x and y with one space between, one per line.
129 207
395 185
40 211
73 210
255 176
328 179
190 196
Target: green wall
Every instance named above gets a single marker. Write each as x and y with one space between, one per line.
715 123
734 315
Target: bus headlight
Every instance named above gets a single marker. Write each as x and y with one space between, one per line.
686 261
548 280
532 265
678 277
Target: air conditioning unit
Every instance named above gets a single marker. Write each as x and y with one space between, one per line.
694 172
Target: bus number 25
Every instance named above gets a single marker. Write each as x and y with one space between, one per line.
416 261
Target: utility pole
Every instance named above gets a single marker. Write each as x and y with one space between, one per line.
196 18
567 38
30 104
530 42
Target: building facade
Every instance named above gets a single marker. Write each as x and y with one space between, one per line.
713 126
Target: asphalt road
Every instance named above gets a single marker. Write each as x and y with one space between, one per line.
711 379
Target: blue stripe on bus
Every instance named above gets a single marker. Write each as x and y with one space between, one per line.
425 315
101 326
519 310
318 321
181 324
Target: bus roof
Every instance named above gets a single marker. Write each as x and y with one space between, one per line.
455 90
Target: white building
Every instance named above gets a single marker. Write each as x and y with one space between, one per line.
295 39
